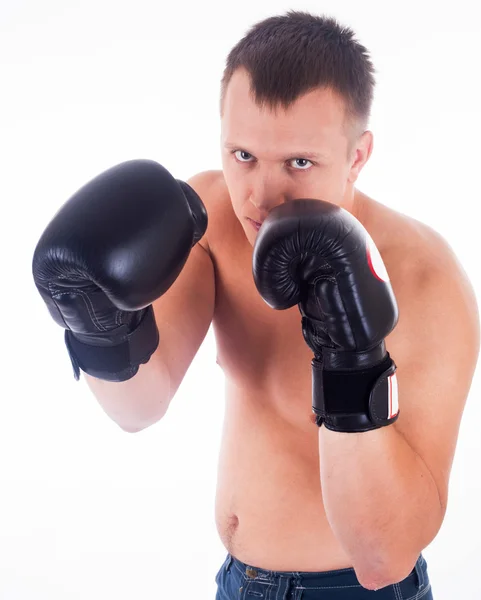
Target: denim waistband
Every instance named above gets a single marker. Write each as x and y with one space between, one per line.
326 579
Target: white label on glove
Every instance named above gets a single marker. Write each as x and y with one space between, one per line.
393 397
375 260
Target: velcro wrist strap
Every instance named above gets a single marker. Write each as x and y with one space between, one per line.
353 401
118 362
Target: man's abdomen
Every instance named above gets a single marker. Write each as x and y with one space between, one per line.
269 509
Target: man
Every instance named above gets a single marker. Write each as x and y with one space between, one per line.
311 507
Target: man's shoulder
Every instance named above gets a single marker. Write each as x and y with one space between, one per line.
421 262
409 244
206 181
212 189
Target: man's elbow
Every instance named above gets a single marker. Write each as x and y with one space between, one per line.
131 429
389 575
136 427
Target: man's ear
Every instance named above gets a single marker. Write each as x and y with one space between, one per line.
360 153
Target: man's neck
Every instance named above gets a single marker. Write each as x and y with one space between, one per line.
353 202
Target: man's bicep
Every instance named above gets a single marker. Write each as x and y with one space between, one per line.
435 369
184 314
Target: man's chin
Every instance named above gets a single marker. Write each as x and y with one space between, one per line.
251 236
250 232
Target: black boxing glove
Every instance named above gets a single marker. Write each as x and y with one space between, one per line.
319 256
113 248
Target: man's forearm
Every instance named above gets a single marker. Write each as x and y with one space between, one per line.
380 499
138 402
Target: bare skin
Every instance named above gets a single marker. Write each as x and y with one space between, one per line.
269 504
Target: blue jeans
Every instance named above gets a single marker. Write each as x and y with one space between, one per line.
238 581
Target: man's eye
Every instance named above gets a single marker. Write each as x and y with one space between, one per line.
242 156
302 163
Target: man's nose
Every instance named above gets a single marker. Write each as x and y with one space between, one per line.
266 194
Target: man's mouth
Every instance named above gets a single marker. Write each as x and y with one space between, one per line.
254 224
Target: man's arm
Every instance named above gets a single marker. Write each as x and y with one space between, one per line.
385 491
183 316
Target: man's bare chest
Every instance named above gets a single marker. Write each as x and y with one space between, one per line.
259 347
253 340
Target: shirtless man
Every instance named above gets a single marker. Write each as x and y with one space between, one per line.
304 510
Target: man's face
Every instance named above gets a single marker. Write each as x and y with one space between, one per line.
271 157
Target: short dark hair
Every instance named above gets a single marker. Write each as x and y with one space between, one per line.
291 54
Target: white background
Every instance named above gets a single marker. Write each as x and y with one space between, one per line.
86 510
